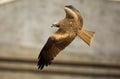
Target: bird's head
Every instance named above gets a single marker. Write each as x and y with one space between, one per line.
71 13
56 24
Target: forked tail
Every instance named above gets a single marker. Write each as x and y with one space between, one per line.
86 36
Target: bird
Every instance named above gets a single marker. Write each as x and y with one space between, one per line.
68 28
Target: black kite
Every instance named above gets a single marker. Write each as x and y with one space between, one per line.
69 28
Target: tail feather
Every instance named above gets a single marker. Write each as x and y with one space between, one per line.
86 36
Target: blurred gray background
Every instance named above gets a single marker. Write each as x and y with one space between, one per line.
25 26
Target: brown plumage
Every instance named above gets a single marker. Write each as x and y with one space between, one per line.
69 28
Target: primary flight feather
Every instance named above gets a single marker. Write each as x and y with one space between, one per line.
69 28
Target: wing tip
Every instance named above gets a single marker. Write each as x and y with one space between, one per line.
42 62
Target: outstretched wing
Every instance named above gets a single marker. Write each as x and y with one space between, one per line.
57 42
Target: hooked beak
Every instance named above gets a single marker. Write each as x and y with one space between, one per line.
55 24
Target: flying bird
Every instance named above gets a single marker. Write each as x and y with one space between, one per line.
69 28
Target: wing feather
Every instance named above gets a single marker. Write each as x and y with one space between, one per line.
57 42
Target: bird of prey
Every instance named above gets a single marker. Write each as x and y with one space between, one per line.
69 28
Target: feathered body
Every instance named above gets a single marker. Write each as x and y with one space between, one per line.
69 28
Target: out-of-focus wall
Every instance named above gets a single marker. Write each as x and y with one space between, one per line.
25 26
